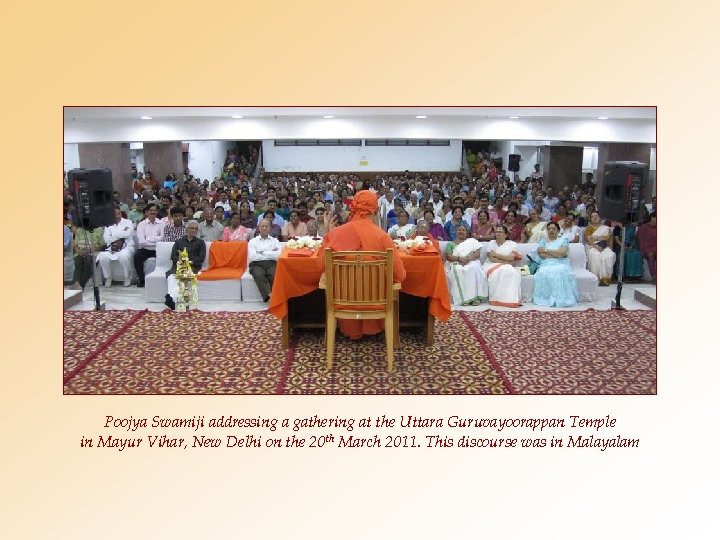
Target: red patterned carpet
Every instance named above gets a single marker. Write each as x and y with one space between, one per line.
188 353
86 333
490 352
454 364
563 352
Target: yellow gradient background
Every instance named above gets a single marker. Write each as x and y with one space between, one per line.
359 53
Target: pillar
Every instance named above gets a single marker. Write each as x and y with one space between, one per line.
562 166
163 158
114 156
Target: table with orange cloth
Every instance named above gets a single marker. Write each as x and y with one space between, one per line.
299 275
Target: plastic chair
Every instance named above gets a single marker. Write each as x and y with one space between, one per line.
359 286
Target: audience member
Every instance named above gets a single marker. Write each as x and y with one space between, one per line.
457 220
647 242
149 233
402 228
263 252
535 230
120 247
175 229
465 275
294 228
196 254
502 276
598 246
235 232
555 283
86 243
210 230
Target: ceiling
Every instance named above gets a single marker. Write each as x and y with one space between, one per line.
81 114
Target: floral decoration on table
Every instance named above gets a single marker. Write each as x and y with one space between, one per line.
304 242
187 283
419 242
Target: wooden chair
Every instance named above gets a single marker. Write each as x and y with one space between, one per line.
359 285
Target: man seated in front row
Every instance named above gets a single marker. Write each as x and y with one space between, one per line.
149 233
120 247
263 252
196 253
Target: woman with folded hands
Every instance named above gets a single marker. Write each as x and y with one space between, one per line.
555 283
502 276
466 279
598 244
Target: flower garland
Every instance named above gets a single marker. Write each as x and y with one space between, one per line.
418 241
187 283
304 242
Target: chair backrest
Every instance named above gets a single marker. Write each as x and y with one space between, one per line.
359 280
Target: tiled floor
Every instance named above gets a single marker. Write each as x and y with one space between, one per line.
119 297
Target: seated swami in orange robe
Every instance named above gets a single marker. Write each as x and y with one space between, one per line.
361 234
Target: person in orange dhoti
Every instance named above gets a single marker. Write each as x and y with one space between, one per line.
361 233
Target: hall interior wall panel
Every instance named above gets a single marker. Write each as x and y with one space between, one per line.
114 156
163 158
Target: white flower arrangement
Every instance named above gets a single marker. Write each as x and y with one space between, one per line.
303 242
401 242
524 270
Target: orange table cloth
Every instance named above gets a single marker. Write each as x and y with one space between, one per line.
228 260
298 276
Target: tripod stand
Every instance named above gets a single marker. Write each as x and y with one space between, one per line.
90 252
615 304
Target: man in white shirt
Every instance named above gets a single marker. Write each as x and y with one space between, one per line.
224 201
413 209
263 253
121 247
522 207
437 201
149 233
386 203
551 202
581 208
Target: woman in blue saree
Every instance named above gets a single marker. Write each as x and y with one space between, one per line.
555 284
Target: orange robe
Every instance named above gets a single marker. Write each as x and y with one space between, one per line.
361 235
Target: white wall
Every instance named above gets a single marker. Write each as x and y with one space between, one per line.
137 156
361 158
528 157
206 158
590 160
71 157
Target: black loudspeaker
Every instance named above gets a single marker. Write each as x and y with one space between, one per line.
621 190
93 190
514 162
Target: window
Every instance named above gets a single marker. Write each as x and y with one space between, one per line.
318 142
